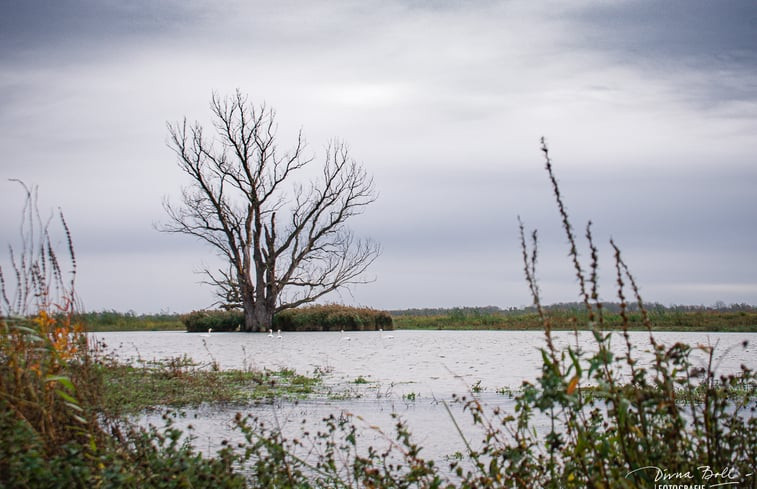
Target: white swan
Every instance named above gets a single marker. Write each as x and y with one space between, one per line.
386 337
279 335
207 335
345 338
270 333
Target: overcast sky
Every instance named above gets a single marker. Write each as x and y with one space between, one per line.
649 109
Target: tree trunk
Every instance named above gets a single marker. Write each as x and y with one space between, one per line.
258 317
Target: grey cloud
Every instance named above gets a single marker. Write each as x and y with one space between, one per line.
33 28
715 40
675 29
651 112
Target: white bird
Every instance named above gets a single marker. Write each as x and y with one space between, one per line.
207 335
270 333
345 338
279 336
386 337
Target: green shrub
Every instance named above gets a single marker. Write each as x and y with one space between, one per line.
135 458
332 317
311 318
202 321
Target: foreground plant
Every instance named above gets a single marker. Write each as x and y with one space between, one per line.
52 433
43 351
635 429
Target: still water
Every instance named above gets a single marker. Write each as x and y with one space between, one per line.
411 373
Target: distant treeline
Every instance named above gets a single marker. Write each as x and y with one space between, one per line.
129 321
567 307
739 317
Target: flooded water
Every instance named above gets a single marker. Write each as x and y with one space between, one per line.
432 364
412 373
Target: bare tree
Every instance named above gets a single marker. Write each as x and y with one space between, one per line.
285 241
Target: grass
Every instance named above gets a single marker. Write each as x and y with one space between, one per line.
115 321
568 320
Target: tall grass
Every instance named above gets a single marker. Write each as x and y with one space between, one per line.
52 429
44 371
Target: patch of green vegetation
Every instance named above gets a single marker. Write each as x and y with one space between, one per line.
331 317
410 396
202 321
570 318
361 380
178 383
102 321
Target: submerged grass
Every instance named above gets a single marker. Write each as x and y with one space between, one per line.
179 383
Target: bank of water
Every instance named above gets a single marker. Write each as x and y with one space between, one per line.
371 375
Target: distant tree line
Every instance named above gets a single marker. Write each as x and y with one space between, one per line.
613 307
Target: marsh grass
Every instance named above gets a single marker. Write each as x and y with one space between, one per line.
45 379
116 321
180 383
569 319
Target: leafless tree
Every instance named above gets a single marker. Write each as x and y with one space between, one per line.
285 241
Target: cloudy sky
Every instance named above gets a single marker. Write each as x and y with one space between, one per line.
649 109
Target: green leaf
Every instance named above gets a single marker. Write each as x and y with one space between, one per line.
65 381
66 397
74 406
